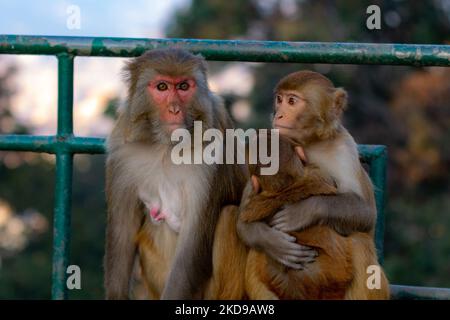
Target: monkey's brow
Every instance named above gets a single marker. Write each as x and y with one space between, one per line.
295 96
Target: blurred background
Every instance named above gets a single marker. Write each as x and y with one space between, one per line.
405 108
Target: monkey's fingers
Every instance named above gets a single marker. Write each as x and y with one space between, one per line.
294 255
298 260
283 226
280 224
296 266
295 247
283 222
295 262
286 236
279 218
308 253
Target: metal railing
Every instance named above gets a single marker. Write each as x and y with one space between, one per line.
64 144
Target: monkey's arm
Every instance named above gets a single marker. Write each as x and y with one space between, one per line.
264 204
345 213
259 208
192 265
280 246
123 222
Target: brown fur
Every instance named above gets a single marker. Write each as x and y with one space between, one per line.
328 277
229 259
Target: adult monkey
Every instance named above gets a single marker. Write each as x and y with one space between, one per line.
167 89
308 109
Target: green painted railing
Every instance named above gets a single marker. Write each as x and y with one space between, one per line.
64 144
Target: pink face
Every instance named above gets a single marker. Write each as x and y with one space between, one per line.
172 96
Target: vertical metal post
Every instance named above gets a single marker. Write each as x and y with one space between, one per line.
378 176
64 165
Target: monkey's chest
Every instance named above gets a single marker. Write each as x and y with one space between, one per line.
172 193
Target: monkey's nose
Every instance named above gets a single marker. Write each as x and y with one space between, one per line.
174 109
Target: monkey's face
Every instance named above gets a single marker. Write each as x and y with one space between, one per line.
289 107
308 107
172 95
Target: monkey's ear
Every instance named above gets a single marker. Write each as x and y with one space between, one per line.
340 100
255 183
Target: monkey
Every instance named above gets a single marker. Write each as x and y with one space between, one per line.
329 276
326 278
164 213
307 110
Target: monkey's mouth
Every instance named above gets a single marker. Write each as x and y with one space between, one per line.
278 126
174 125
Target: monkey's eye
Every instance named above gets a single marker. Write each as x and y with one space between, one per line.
183 86
292 101
279 99
162 86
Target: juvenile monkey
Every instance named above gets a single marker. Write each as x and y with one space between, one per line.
164 212
329 276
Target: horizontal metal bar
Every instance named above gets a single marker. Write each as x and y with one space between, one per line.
236 50
409 292
52 144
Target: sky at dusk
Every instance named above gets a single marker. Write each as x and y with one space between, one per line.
96 79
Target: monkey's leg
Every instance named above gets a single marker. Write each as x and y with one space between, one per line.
329 276
123 222
156 247
229 259
255 288
138 287
383 293
364 255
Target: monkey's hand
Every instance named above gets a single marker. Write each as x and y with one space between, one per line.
293 217
345 213
278 245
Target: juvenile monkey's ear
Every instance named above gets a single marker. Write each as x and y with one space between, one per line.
255 183
340 100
